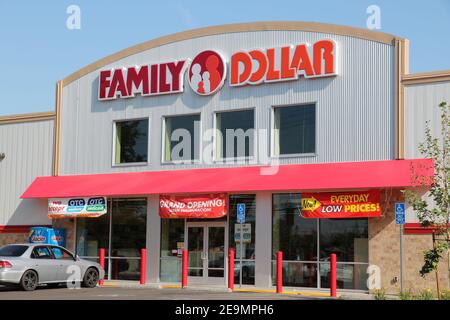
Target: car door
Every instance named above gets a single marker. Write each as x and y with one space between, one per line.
65 261
44 263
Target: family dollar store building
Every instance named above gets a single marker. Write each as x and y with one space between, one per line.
304 132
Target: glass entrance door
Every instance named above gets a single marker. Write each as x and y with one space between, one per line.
206 244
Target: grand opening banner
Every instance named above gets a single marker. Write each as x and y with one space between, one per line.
198 206
363 204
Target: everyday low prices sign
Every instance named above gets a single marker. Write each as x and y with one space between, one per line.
77 207
361 204
198 206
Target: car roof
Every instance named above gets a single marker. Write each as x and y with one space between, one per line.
31 244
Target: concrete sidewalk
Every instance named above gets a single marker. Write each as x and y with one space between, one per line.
311 293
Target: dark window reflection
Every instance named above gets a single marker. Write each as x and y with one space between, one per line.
234 121
297 129
93 234
172 244
295 236
129 223
179 128
348 238
131 141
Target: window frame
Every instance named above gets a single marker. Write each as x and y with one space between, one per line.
33 256
272 131
63 250
114 138
163 137
215 131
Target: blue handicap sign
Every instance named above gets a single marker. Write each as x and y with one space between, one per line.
241 212
400 213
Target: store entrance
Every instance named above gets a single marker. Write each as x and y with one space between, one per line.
206 243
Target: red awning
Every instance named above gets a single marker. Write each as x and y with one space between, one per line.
305 177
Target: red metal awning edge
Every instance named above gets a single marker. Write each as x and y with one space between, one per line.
301 177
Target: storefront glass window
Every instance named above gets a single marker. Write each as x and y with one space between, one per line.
129 224
172 244
92 234
182 137
235 134
295 129
128 227
131 143
348 238
126 218
248 246
296 237
306 264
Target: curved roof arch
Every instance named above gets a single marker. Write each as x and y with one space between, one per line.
234 28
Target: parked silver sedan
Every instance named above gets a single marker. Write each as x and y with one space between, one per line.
29 265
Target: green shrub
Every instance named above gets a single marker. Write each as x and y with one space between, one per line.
406 295
379 294
425 295
445 295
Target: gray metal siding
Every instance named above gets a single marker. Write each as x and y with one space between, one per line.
29 153
422 101
355 109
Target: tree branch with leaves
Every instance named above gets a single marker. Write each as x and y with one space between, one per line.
433 206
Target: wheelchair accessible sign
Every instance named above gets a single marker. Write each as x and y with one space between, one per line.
400 213
241 213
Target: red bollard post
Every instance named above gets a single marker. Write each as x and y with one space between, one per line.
231 269
184 269
280 272
102 264
143 266
333 275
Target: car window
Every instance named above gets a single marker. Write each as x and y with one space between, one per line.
61 254
41 253
12 250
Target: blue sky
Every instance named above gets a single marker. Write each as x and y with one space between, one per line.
37 49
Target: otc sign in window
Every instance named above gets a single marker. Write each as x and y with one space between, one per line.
131 141
295 129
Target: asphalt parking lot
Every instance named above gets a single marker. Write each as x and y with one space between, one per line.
117 293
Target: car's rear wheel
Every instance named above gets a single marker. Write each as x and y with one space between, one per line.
29 280
90 278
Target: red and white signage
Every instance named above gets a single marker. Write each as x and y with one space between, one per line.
362 204
155 79
208 70
198 206
282 64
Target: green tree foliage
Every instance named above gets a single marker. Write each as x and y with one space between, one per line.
433 210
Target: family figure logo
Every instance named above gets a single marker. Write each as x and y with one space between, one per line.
207 72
